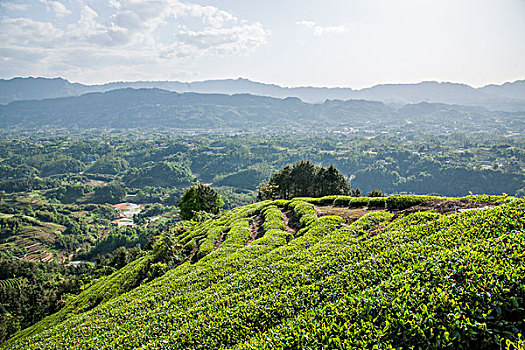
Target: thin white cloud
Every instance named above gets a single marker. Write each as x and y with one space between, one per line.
306 24
318 30
237 40
29 33
122 35
58 8
14 7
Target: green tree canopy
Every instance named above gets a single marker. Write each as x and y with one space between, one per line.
109 165
199 198
112 193
375 193
159 174
304 179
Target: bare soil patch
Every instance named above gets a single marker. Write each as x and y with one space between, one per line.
256 228
349 215
448 206
221 239
290 225
193 255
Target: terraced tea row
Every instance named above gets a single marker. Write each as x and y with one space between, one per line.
397 279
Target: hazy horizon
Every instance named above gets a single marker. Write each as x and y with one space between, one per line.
264 82
356 44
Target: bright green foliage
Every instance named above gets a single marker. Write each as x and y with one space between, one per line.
369 221
199 198
356 202
483 198
161 174
103 290
305 211
422 280
10 283
273 218
302 179
213 236
403 202
321 200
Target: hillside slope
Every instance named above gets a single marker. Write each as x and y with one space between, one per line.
154 108
334 272
507 97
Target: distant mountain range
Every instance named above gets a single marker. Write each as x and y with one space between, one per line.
506 97
156 108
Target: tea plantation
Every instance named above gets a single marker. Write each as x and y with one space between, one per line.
407 272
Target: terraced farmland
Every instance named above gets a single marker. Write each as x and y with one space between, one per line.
33 239
332 272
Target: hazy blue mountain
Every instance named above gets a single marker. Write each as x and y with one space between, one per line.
434 92
514 90
35 88
428 91
155 108
506 97
38 88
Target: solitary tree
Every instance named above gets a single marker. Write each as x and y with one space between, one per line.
304 179
199 198
376 193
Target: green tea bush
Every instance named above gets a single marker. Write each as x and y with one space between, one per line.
424 280
368 221
305 212
405 201
376 202
357 202
282 203
212 237
321 200
273 218
342 200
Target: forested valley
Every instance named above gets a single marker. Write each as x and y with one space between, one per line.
236 175
63 214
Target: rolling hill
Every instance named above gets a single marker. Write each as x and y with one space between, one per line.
331 272
506 97
155 108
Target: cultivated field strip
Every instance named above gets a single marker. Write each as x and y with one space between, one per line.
419 279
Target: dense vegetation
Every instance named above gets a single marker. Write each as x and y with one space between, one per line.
38 240
200 198
154 108
113 234
334 272
29 291
305 179
449 165
56 189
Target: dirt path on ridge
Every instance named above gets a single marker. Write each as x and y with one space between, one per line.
221 239
256 228
191 256
290 227
449 206
349 215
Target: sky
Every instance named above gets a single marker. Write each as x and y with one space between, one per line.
347 43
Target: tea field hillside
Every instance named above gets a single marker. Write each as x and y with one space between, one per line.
311 273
